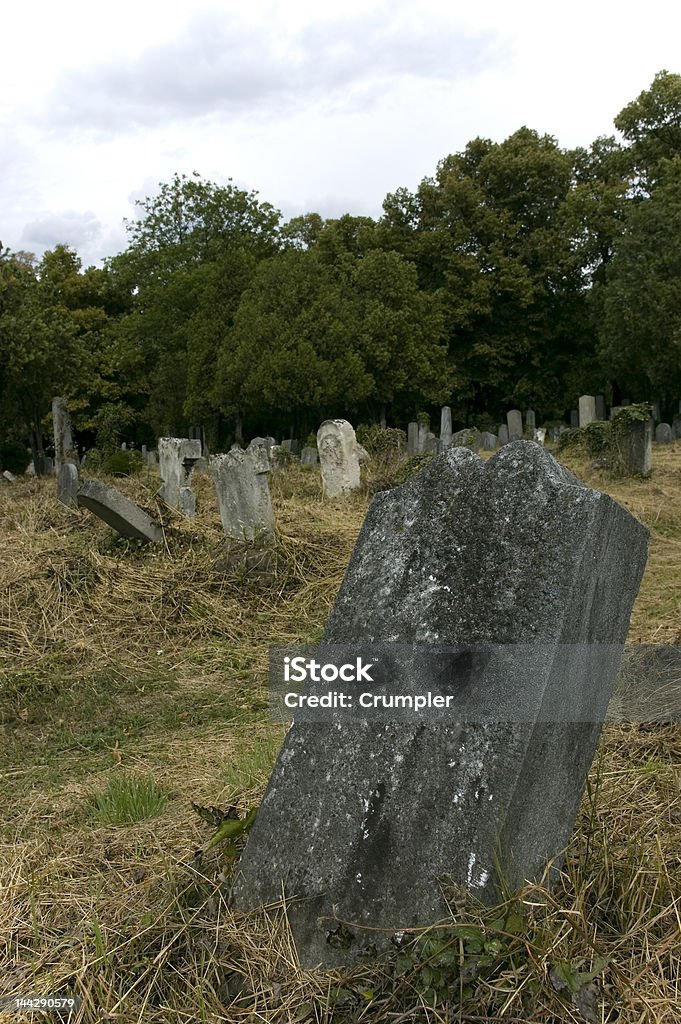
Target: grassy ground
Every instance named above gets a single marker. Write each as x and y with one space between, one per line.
132 685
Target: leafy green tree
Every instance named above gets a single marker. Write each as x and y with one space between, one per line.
651 124
639 306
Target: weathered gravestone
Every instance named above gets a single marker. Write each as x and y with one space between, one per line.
412 438
663 434
118 511
488 441
360 820
503 434
338 458
309 457
600 407
514 420
676 427
67 485
634 439
530 422
574 418
587 410
424 430
445 428
65 454
243 492
431 443
466 438
177 457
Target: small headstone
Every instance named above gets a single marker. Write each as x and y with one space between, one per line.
636 447
488 441
67 485
260 454
540 435
676 427
9 477
587 410
124 446
358 823
431 443
600 407
574 418
309 457
514 420
243 493
663 434
287 445
338 458
422 435
530 422
413 438
64 448
503 434
118 511
177 457
445 427
466 438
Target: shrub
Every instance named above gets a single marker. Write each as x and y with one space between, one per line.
380 440
123 462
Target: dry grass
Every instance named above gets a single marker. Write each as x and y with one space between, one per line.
116 659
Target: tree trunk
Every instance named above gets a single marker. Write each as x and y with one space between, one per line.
37 449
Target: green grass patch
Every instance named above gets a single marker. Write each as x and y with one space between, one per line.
127 799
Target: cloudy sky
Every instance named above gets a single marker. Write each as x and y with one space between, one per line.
317 106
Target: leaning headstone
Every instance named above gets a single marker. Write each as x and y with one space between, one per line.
243 493
64 448
574 418
676 427
445 427
361 820
663 434
514 420
177 457
587 410
118 511
503 434
67 485
488 441
600 407
9 477
338 458
530 422
412 438
308 457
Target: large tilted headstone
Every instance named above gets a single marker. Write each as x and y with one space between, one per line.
65 454
177 457
360 820
243 492
338 458
118 511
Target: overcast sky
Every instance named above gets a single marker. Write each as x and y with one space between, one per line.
317 106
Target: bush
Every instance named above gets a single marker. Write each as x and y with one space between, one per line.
597 438
14 457
380 440
122 463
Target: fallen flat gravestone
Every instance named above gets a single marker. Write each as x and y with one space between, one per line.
362 818
123 515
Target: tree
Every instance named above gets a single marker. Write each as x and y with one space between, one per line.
651 124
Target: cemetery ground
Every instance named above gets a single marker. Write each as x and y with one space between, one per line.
133 686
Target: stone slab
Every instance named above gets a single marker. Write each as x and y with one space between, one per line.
359 823
123 515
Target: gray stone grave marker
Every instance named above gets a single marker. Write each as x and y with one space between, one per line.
361 820
663 434
338 458
413 438
587 410
177 457
514 420
119 512
243 492
445 427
